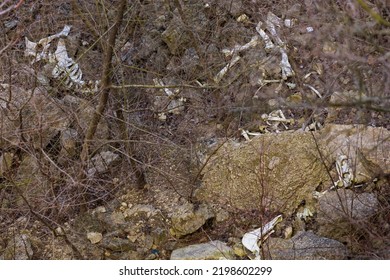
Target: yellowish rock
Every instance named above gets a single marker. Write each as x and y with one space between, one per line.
94 237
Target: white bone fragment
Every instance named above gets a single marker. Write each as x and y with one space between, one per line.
244 133
254 133
159 82
287 70
224 70
274 19
288 23
305 214
252 43
313 90
270 23
254 239
309 29
66 67
268 43
291 85
344 172
44 43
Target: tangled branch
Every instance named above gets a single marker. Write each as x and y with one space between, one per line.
7 6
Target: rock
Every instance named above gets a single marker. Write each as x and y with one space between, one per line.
19 248
274 171
69 139
99 209
34 183
339 210
160 236
368 148
5 162
83 110
187 219
221 215
214 250
141 209
11 24
288 232
239 250
94 237
117 218
101 162
280 171
345 204
117 244
305 245
41 115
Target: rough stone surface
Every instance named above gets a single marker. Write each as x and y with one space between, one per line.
368 148
84 111
342 204
18 249
339 210
117 244
41 115
69 139
214 250
305 245
94 237
276 171
187 219
101 162
280 171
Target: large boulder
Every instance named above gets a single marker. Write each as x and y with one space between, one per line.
305 245
81 113
366 147
187 219
279 172
338 211
273 171
33 114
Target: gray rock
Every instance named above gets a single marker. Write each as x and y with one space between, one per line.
83 110
338 212
141 209
187 219
18 249
305 245
94 237
343 204
5 162
368 148
214 250
69 139
42 116
101 162
117 244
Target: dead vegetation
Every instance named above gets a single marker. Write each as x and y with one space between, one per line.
161 105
